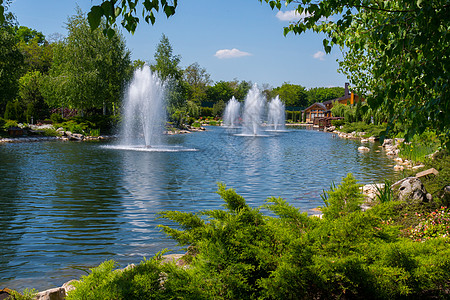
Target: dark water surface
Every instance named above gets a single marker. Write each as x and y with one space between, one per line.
65 206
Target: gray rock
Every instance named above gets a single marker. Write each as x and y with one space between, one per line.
363 149
410 190
447 189
52 294
388 142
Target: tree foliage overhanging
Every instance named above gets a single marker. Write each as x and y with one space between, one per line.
396 53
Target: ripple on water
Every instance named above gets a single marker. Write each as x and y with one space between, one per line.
66 206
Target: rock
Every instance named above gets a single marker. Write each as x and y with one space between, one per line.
388 142
52 294
398 160
447 189
363 149
410 190
75 136
68 286
372 139
399 140
364 141
399 168
418 167
370 191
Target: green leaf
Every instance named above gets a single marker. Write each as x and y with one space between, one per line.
95 16
107 8
2 11
169 10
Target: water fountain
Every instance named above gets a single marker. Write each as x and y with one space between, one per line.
253 111
276 114
231 114
144 113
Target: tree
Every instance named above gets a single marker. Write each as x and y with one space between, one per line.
11 66
167 67
291 94
322 94
166 62
31 96
198 80
89 70
36 50
395 54
221 90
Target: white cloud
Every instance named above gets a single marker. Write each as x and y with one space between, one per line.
230 53
320 55
290 15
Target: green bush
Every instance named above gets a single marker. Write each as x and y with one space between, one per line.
206 112
13 111
344 199
369 129
10 123
240 253
337 123
56 118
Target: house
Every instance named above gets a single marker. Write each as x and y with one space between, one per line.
323 110
317 110
348 98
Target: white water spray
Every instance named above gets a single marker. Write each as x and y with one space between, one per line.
144 112
232 113
276 114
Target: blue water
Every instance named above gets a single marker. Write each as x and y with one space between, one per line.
67 205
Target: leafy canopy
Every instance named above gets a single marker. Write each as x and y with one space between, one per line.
395 54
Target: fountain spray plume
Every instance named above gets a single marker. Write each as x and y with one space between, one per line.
253 111
232 112
276 114
144 110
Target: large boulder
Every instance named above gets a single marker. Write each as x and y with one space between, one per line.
410 190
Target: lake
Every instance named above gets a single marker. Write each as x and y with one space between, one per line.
66 206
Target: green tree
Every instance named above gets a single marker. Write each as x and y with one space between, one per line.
322 94
198 80
166 63
167 67
89 70
395 54
221 90
291 94
31 96
11 66
27 34
36 50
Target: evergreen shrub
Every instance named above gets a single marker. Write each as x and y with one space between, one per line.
240 252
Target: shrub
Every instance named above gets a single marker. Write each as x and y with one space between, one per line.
337 123
56 118
344 199
240 253
10 123
206 112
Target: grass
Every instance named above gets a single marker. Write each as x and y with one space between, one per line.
369 129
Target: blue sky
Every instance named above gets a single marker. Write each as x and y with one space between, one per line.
232 39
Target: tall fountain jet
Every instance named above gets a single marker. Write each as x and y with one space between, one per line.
253 112
232 113
144 110
276 114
